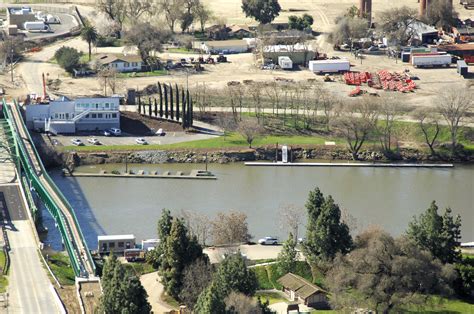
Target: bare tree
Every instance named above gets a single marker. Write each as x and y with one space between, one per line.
274 92
236 92
291 217
106 26
136 8
237 302
196 278
172 9
116 10
226 123
429 125
230 228
441 14
108 78
356 123
397 24
197 224
147 38
348 30
203 14
250 130
389 108
454 105
201 96
255 90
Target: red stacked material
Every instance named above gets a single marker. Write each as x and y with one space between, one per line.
357 78
382 79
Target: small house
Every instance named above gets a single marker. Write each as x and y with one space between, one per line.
115 243
302 291
121 63
217 32
240 31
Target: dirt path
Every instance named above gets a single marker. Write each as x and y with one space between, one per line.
155 289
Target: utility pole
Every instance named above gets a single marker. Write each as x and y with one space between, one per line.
11 62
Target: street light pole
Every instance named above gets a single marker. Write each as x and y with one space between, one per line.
11 63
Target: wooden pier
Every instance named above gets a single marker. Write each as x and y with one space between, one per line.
348 164
141 174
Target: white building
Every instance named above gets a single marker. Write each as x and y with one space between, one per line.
121 63
69 116
224 46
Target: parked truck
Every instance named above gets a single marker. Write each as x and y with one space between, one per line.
36 26
421 61
329 66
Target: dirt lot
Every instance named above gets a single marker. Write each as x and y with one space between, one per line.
242 66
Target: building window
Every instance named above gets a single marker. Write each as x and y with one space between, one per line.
111 245
96 106
114 115
99 115
106 105
94 116
87 116
67 115
55 115
126 64
121 244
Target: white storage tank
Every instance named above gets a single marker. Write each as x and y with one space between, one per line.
329 66
285 63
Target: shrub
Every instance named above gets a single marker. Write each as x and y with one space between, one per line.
68 58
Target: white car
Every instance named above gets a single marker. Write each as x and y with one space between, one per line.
107 133
77 142
115 132
141 141
160 132
268 241
93 141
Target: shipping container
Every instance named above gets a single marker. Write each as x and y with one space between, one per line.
329 66
431 60
462 68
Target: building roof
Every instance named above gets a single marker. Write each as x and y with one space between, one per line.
237 28
457 47
299 285
287 48
226 43
116 237
422 28
110 58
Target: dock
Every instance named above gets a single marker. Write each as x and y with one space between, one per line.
141 174
349 164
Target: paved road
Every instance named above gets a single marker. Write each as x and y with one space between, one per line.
29 287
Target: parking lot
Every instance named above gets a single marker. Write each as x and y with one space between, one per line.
125 139
67 22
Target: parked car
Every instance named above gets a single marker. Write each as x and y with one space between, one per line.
115 132
268 241
160 132
382 46
107 133
141 141
373 48
93 141
77 142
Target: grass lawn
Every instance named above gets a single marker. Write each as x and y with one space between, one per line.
233 140
61 267
140 268
180 50
444 306
3 283
2 259
142 74
272 297
169 300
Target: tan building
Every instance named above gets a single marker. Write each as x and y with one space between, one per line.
302 291
299 54
19 15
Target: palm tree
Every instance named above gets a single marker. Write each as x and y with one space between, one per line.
89 34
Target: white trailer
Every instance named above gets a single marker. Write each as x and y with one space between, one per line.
420 61
51 19
329 66
37 26
285 63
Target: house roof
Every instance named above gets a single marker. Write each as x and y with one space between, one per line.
116 237
237 28
299 285
422 28
110 58
226 43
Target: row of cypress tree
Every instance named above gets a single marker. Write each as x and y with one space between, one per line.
174 104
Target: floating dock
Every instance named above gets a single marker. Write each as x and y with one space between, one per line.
195 175
348 164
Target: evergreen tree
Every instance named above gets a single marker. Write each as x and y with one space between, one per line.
179 250
438 234
164 228
233 275
210 301
326 234
287 256
122 290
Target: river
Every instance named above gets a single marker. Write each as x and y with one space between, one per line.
388 197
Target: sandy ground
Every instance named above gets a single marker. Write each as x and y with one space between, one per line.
253 252
242 66
154 290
